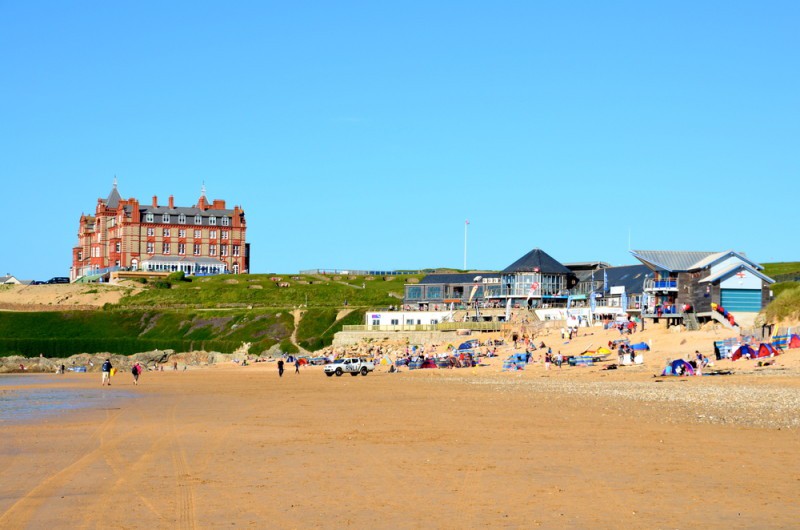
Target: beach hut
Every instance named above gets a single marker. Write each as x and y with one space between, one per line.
745 350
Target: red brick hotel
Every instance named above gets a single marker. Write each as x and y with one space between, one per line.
206 238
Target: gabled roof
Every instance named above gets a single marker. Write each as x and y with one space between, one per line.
671 260
727 271
719 256
456 278
537 260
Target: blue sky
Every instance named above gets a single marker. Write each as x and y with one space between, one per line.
363 134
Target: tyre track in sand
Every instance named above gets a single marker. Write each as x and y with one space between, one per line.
19 514
185 508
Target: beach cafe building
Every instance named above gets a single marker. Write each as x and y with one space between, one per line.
535 280
437 292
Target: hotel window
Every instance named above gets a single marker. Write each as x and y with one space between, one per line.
165 248
80 256
196 250
182 219
212 220
166 232
225 221
224 234
151 232
148 218
197 234
150 247
212 234
395 322
212 250
235 250
165 217
181 233
198 220
117 246
223 250
181 248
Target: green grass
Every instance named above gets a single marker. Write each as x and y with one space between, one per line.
778 288
258 290
60 334
779 268
785 305
319 325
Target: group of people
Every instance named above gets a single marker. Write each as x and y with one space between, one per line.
107 370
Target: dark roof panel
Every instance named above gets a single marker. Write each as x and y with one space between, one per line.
537 259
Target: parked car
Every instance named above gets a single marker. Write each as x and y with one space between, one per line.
350 365
58 279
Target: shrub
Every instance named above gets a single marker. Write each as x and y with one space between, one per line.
178 276
162 284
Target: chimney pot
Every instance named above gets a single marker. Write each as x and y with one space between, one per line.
155 201
171 202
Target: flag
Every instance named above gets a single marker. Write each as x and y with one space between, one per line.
472 293
605 281
592 302
624 301
508 310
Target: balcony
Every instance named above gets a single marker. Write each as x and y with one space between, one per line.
652 284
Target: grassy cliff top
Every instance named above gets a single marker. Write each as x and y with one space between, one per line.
275 290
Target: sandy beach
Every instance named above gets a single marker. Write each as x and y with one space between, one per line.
230 446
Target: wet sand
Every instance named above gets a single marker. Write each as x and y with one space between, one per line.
231 446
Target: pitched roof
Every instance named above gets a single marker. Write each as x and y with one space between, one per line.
113 198
537 260
710 260
734 268
671 260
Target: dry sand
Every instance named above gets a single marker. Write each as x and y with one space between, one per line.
230 446
60 297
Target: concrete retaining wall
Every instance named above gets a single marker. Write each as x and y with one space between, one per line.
347 338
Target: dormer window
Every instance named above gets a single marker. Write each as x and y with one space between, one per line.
148 218
198 220
165 218
225 221
212 220
182 219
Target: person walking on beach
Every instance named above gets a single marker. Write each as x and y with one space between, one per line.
280 367
135 371
297 365
106 369
547 358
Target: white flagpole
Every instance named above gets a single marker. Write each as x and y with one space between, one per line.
466 224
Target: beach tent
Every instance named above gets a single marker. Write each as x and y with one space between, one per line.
640 346
386 361
602 350
470 344
794 341
678 367
429 363
743 351
767 350
511 364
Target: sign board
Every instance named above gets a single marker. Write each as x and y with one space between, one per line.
618 289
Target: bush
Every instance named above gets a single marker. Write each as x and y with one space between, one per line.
287 346
162 284
141 280
178 276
